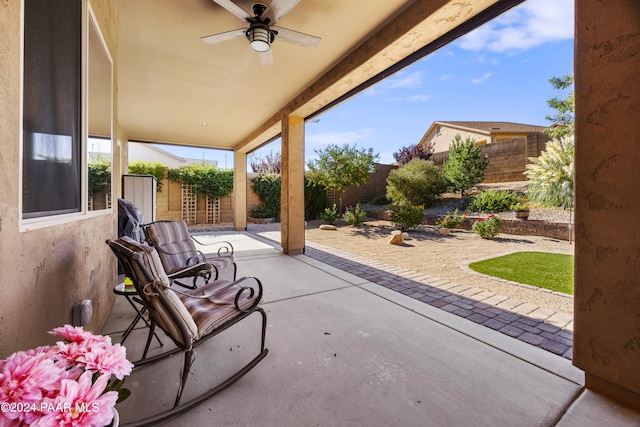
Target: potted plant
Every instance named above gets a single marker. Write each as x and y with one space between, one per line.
520 210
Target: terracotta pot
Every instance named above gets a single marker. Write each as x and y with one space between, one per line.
444 231
521 214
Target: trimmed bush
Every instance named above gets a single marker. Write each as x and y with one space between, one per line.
487 228
492 201
354 215
406 217
419 182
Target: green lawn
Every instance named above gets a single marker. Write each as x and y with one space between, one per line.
545 270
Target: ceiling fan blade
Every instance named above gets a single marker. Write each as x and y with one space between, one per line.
266 58
296 37
234 9
277 9
221 37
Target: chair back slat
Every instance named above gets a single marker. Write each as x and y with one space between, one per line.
174 242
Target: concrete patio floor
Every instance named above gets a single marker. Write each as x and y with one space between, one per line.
344 351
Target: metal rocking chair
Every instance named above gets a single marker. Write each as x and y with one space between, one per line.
189 318
181 259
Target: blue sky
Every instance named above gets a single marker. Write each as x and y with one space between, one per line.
499 72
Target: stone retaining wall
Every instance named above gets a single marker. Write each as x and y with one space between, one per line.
560 231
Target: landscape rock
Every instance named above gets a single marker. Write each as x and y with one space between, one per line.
328 227
396 239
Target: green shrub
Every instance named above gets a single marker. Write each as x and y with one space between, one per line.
205 180
406 217
262 211
354 216
315 199
452 220
492 201
268 187
519 207
380 200
419 182
99 176
330 215
487 228
142 167
465 166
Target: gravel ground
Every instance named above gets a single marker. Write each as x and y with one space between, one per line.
442 256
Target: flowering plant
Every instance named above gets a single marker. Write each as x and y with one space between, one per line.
330 215
452 220
67 384
487 228
354 216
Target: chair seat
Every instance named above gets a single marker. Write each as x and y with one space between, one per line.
209 313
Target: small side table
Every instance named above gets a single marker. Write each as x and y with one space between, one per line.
130 293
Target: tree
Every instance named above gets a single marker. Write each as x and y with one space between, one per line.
147 167
563 119
417 151
418 182
550 176
465 167
338 167
271 163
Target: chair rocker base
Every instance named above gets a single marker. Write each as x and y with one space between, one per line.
181 409
178 408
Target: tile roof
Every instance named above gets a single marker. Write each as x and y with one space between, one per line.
498 127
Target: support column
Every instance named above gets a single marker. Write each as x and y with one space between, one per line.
292 199
239 191
607 263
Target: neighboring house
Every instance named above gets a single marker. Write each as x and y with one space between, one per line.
440 134
508 145
149 152
145 152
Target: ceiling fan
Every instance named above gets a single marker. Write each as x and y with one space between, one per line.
262 30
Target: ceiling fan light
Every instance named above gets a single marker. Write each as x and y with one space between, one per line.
259 39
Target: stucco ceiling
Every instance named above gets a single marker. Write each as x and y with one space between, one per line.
170 83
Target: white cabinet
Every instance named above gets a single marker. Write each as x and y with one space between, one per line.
141 191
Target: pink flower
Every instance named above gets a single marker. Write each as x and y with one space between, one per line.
109 361
74 334
80 403
27 378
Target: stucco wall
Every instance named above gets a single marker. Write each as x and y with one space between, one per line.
607 272
46 271
441 140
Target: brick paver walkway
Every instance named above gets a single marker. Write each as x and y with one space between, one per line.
538 326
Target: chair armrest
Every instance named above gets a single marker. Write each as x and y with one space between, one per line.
202 269
250 291
226 248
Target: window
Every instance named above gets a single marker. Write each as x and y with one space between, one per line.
52 126
67 94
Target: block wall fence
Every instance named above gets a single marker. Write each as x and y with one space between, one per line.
507 162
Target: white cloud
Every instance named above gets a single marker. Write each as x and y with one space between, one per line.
533 23
322 139
481 79
404 80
